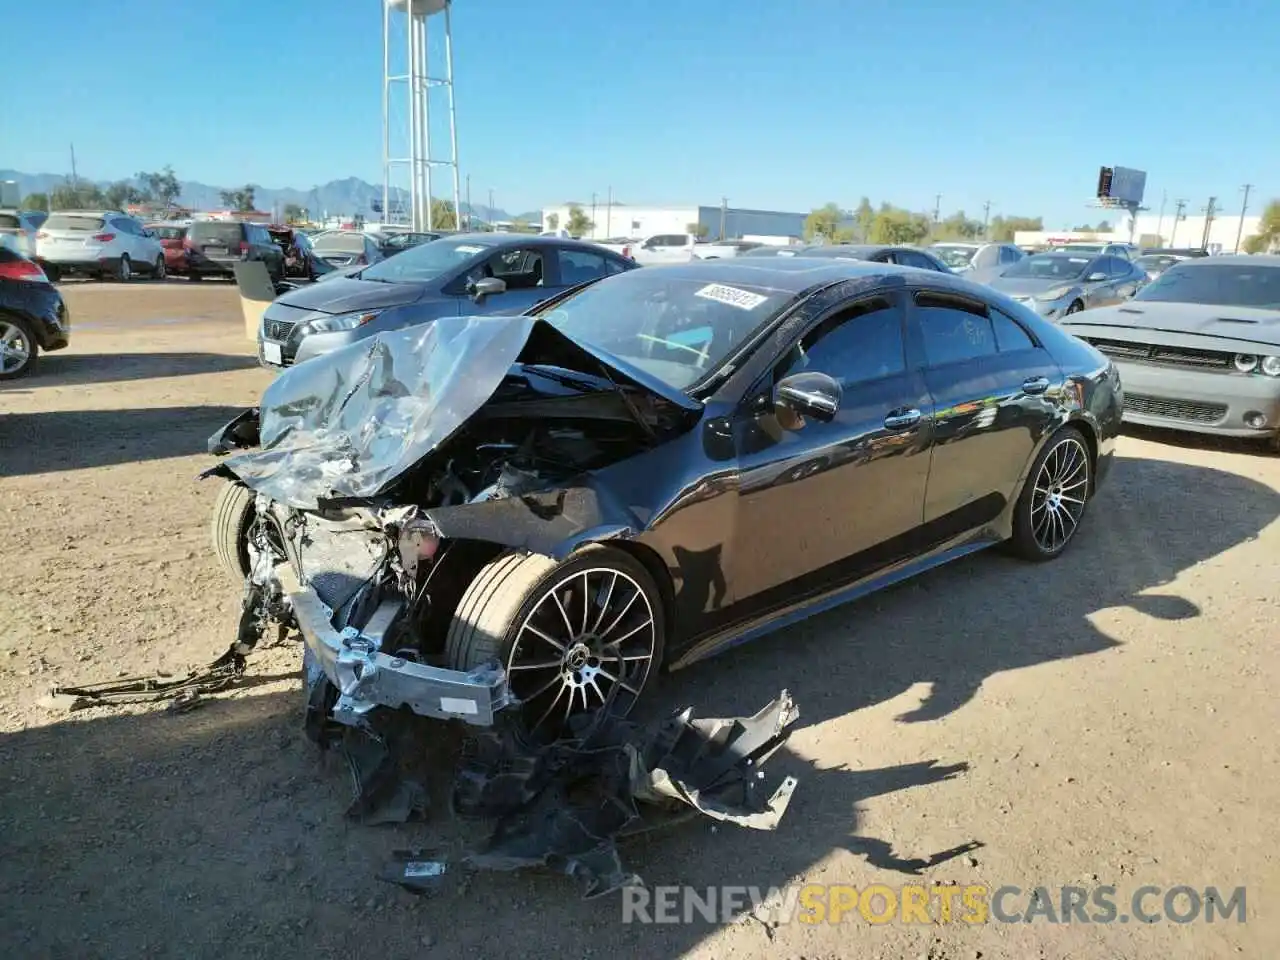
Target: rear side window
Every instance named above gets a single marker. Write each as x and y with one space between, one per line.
210 231
953 329
9 222
578 266
76 222
1009 334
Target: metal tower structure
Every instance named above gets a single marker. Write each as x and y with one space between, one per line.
407 82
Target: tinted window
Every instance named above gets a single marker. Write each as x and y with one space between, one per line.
10 222
211 231
340 243
72 221
1050 266
578 266
1009 334
1010 254
858 344
169 233
951 330
1228 285
1115 267
909 258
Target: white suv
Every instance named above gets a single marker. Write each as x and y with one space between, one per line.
106 244
18 232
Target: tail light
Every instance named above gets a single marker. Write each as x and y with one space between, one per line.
244 249
22 270
104 237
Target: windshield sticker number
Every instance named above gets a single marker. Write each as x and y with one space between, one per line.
742 299
468 249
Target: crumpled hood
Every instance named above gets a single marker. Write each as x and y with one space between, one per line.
346 425
346 294
1205 319
1028 286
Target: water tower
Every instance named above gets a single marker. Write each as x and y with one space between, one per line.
407 86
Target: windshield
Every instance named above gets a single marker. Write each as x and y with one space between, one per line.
1227 285
674 328
955 257
1051 267
1080 247
169 233
427 261
339 243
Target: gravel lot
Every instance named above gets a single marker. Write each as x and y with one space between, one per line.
1106 719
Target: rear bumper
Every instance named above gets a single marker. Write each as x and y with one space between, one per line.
366 678
1219 403
80 267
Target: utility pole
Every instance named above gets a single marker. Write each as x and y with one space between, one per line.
986 219
470 218
490 217
1164 198
1178 207
1208 221
75 182
593 215
937 209
724 212
1244 208
608 214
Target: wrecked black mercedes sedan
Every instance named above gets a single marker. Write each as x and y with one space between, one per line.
539 512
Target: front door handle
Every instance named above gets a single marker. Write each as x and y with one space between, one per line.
1035 385
901 419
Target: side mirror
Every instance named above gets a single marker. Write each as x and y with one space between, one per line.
487 287
1095 277
809 394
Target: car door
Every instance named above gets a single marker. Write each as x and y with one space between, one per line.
992 386
821 503
575 266
1128 278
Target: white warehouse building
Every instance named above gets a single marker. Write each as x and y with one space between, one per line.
1152 231
635 222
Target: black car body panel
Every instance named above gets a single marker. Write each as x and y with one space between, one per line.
747 519
39 304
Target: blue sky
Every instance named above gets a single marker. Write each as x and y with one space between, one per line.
778 104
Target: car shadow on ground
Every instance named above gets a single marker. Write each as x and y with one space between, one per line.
74 369
57 440
227 816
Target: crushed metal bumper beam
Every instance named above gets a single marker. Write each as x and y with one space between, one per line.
366 678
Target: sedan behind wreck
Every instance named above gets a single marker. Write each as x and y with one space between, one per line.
539 512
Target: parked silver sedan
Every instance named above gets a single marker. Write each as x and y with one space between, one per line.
1199 348
1056 285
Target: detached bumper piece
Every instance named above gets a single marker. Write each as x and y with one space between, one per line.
365 677
565 805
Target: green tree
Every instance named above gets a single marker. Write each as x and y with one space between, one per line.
443 216
1003 228
823 223
122 193
294 213
162 185
895 226
1268 235
520 225
957 227
1104 226
36 201
698 230
240 200
579 223
553 222
80 196
863 217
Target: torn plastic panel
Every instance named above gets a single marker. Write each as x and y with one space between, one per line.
346 425
565 805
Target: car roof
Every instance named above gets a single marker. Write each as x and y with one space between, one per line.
792 274
975 244
1233 260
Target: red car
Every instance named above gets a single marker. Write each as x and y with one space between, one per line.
172 237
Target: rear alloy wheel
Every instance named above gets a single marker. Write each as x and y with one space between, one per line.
1053 502
160 270
18 348
574 636
124 272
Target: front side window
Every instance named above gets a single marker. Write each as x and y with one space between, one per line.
579 266
856 345
953 330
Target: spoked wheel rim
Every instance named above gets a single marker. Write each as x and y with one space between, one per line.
587 642
125 272
160 269
1058 498
15 348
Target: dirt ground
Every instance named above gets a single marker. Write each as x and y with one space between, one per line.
1106 719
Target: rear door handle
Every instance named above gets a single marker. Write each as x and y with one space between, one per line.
1035 385
901 419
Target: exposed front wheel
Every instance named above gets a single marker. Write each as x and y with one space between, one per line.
233 514
1052 504
159 271
1076 307
574 636
18 348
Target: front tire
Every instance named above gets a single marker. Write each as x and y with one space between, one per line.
233 514
1053 501
1076 307
159 271
574 636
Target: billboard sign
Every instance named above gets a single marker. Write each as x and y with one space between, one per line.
1122 184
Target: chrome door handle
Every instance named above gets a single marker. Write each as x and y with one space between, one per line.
901 419
1035 385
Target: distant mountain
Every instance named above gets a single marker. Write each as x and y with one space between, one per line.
335 198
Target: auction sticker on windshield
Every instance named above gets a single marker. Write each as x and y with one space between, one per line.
742 299
469 249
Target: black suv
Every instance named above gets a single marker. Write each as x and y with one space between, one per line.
214 246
